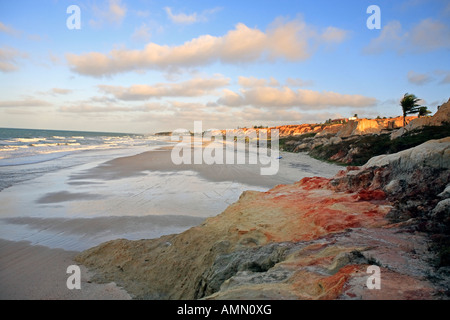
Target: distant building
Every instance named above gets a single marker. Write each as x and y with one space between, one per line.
352 118
337 121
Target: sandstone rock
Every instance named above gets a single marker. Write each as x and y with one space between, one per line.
291 142
371 126
395 123
394 187
442 208
446 193
441 117
398 133
433 154
336 268
366 126
304 211
330 129
335 140
348 129
301 147
438 219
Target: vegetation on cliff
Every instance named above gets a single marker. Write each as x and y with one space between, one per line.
357 151
410 105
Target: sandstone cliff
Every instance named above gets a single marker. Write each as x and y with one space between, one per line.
371 126
350 128
441 117
311 240
355 142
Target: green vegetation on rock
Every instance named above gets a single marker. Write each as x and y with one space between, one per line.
357 150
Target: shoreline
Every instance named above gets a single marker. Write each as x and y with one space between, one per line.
55 213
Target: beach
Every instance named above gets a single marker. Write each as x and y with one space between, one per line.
233 150
46 221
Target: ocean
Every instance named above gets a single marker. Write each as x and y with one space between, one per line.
28 153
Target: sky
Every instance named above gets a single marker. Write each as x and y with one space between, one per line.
146 66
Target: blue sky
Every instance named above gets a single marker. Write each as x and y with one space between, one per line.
145 66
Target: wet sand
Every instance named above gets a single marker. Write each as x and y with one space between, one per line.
38 273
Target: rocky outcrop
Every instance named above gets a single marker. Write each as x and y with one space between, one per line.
351 128
357 141
294 130
314 239
441 117
330 130
371 126
347 129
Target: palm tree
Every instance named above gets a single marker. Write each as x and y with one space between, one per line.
409 105
423 111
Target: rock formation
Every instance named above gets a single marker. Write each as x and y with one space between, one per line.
314 239
347 129
441 117
355 142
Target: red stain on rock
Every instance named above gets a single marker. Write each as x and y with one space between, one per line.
334 284
310 183
369 195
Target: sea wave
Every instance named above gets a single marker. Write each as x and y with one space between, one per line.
18 151
29 139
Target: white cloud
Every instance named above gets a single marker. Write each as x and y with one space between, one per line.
296 82
231 99
183 115
86 108
391 37
54 58
288 40
286 97
9 30
61 91
418 78
142 33
291 39
28 102
424 78
262 93
56 91
113 12
250 82
192 88
183 18
445 74
427 35
333 34
430 35
117 11
8 59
